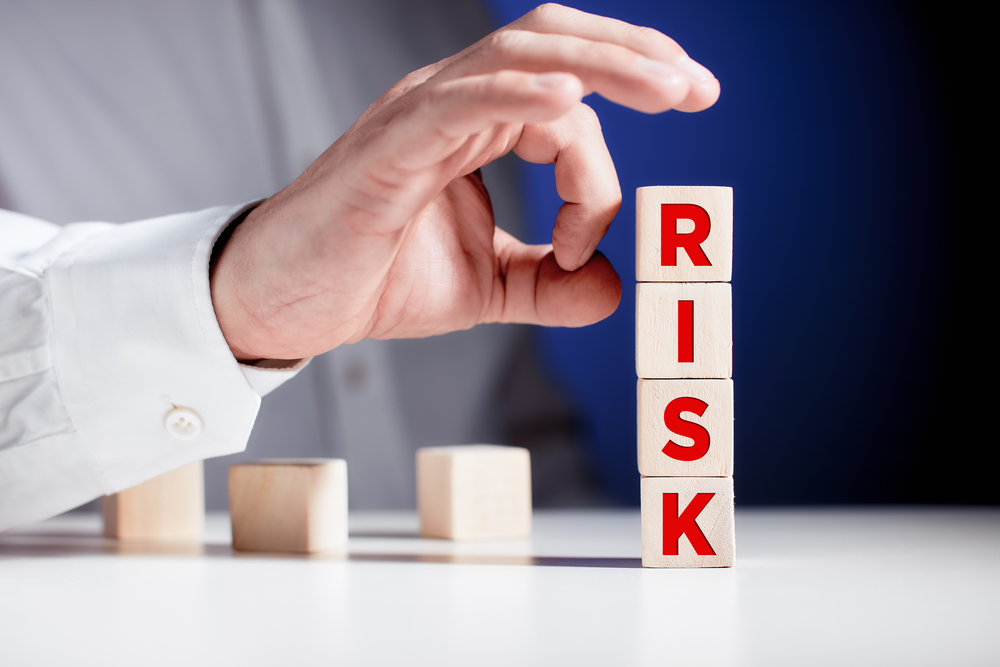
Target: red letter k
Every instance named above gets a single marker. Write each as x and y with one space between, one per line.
674 526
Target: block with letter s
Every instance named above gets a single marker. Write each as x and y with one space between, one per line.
685 428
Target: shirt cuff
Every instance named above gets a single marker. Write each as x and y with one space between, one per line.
266 375
135 338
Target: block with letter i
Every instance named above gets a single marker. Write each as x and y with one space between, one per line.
684 260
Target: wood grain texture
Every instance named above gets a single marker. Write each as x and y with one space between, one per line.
717 246
714 398
168 508
289 505
474 492
715 521
658 331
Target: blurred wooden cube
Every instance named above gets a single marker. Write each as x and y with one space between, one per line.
168 508
289 505
474 492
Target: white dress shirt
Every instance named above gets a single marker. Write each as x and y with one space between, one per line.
124 111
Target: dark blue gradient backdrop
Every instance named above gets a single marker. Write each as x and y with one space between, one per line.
830 129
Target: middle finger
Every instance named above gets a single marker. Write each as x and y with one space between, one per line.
616 72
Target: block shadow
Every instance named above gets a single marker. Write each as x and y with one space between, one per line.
106 547
68 545
468 559
386 534
77 546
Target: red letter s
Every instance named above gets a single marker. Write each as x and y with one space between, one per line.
697 432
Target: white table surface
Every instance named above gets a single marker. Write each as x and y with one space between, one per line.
860 586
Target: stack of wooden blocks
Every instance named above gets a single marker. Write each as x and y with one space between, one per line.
684 262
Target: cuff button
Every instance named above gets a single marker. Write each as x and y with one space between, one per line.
184 423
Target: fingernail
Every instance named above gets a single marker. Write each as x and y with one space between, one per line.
655 67
550 80
692 69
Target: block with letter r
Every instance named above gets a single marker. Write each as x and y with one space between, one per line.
684 234
687 522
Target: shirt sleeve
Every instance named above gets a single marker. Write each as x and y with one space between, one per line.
113 368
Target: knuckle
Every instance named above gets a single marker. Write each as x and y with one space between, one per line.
486 88
428 101
586 116
505 41
407 83
498 81
645 35
547 13
649 38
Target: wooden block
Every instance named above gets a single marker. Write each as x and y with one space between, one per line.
688 522
683 330
289 505
168 508
683 234
474 492
685 428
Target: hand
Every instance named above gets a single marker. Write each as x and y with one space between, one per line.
390 233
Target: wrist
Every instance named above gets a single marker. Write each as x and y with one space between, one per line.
225 299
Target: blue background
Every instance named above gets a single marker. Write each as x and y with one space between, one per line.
837 131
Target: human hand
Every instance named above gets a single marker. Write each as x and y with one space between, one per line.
390 233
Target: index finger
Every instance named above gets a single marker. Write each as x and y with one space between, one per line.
585 179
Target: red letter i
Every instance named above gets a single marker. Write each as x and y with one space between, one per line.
685 332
